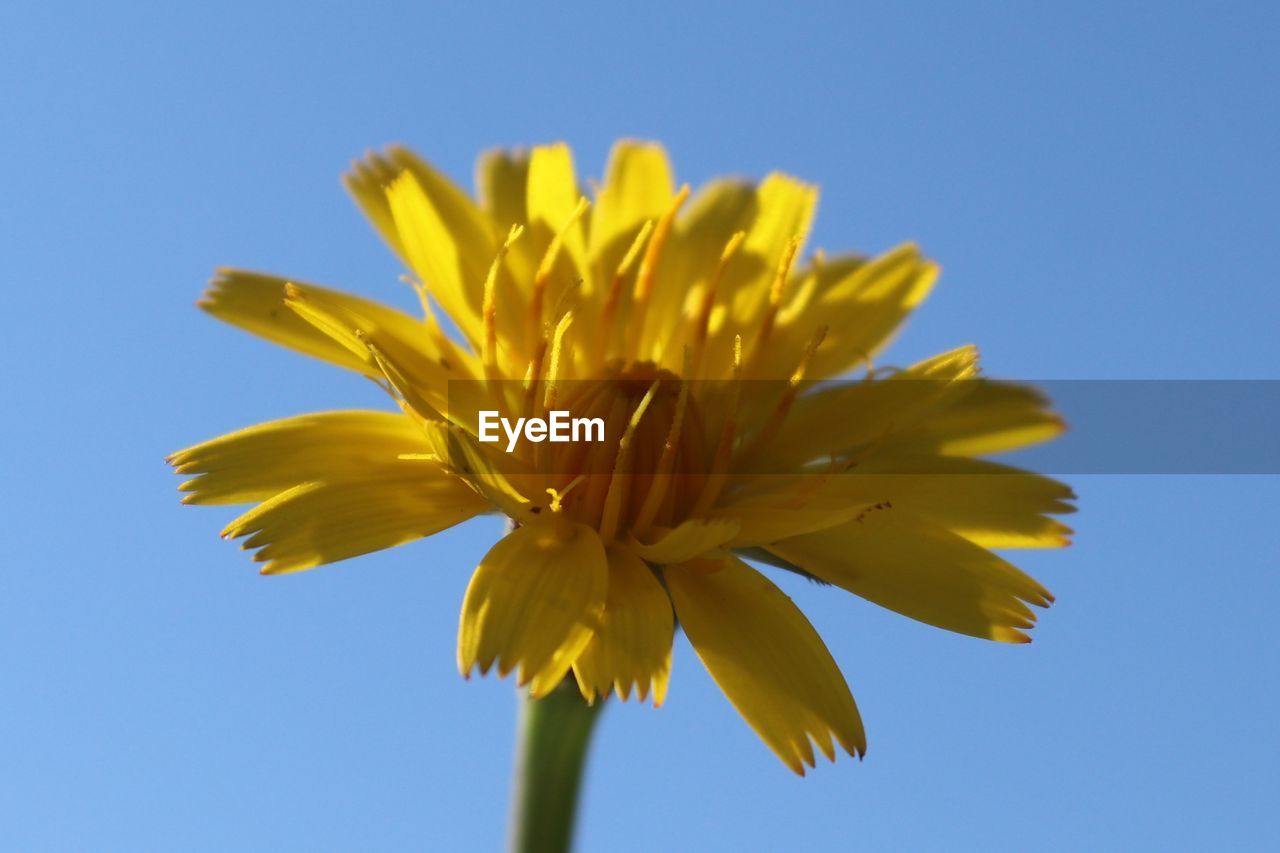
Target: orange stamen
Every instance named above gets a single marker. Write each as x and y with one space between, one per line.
489 306
723 459
702 325
615 291
617 484
649 266
776 291
543 275
783 406
662 474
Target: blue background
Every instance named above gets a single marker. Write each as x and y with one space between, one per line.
1099 182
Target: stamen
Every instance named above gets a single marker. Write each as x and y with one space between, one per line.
598 459
702 325
428 313
449 358
558 495
614 497
547 264
649 267
788 397
662 474
533 377
718 475
489 306
615 292
559 310
553 369
409 396
803 367
776 291
584 456
807 288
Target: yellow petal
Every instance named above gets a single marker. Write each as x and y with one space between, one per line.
502 179
863 309
780 208
713 215
450 262
370 178
447 242
533 604
632 646
637 187
367 181
919 569
552 197
988 417
991 505
858 417
255 463
719 209
785 209
690 539
323 521
417 360
501 478
255 302
769 517
767 659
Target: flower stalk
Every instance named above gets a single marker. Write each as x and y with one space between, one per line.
554 733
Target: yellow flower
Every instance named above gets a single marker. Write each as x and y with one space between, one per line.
690 328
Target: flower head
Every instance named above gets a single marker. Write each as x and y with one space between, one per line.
689 327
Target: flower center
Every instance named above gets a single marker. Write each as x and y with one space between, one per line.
652 462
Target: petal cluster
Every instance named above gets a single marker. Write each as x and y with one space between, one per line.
698 328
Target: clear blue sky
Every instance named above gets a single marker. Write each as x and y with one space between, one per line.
1099 182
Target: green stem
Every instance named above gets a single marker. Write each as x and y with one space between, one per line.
554 733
